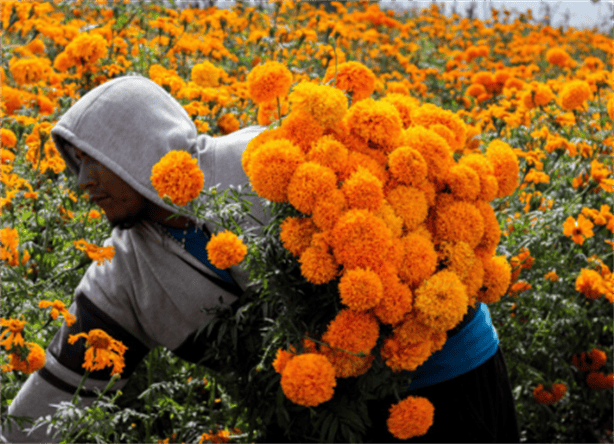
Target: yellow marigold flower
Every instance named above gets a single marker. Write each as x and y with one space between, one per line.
7 138
348 336
363 190
206 74
579 230
590 283
429 115
268 82
352 77
272 166
9 241
32 363
400 356
505 166
537 94
296 234
308 183
464 182
318 265
102 351
409 204
360 289
328 209
434 150
329 152
301 129
13 333
58 308
327 105
558 56
254 145
600 381
94 252
225 249
408 165
441 301
397 300
86 49
308 380
228 123
404 104
574 94
26 71
178 176
411 417
420 259
497 278
359 238
459 221
375 122
492 230
281 360
489 186
554 394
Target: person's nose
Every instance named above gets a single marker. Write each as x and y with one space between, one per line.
87 175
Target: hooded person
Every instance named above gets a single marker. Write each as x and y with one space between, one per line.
155 288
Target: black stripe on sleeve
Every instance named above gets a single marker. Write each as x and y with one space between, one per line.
63 385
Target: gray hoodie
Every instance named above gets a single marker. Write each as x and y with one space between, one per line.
153 290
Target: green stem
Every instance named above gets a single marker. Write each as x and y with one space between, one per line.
76 396
152 358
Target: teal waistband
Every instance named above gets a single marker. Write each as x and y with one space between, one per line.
468 349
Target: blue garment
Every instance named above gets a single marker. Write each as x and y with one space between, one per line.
468 349
196 244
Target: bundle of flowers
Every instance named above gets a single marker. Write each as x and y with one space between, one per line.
385 214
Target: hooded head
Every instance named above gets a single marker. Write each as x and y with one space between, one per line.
126 126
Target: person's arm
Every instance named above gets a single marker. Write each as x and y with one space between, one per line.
63 372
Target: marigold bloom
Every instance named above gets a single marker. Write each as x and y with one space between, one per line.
404 104
302 129
327 105
272 166
390 218
310 181
308 380
9 241
7 138
360 289
441 301
590 283
543 396
558 56
434 150
489 186
411 417
13 333
94 252
409 204
578 230
375 122
405 356
492 230
228 123
26 71
102 351
281 360
296 234
225 249
363 190
600 381
221 436
574 94
459 221
537 94
84 50
58 308
408 166
610 107
464 182
268 82
318 265
505 166
398 298
429 115
589 361
328 209
178 176
94 214
420 259
552 276
206 74
32 363
329 152
458 257
497 278
353 78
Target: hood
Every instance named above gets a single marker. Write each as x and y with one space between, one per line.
127 124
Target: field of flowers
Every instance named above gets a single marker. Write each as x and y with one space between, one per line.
507 82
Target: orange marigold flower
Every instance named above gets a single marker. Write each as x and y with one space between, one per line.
555 394
537 94
352 77
398 298
58 308
411 417
308 380
318 265
7 138
102 351
272 166
405 356
26 71
206 74
590 283
84 50
328 209
375 122
363 190
178 176
459 221
268 112
578 230
296 234
308 183
492 230
281 360
228 123
558 56
94 252
409 204
329 152
600 381
404 104
441 301
32 363
464 182
94 214
420 259
458 257
610 107
497 278
225 249
589 361
9 241
408 166
429 115
327 105
221 436
360 289
552 276
13 333
489 186
268 82
574 94
434 150
302 129
505 165
390 218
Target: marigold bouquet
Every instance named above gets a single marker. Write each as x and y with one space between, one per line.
382 236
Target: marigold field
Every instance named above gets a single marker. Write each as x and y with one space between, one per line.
505 82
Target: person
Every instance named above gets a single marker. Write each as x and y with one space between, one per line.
154 289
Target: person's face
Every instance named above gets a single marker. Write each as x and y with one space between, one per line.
122 205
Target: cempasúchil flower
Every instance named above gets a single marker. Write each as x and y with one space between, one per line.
178 176
225 249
